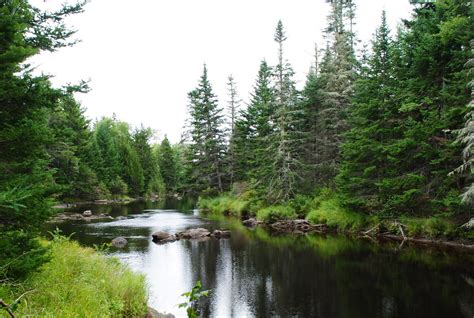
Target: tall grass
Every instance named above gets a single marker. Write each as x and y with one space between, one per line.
224 205
80 282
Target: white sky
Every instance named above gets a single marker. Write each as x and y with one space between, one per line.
144 56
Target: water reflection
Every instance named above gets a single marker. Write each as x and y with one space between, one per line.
257 274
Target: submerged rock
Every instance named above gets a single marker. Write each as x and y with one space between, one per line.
119 242
67 216
163 237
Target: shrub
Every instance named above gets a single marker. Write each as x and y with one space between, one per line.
276 212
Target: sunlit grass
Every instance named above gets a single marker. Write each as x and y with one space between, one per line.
80 282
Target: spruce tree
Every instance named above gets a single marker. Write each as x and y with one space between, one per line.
153 182
466 137
26 179
286 137
337 75
253 129
167 163
374 126
206 139
233 110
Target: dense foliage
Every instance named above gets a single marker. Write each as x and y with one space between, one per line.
49 151
379 128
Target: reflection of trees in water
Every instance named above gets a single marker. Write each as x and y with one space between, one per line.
307 279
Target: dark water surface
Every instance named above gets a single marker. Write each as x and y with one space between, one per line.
255 274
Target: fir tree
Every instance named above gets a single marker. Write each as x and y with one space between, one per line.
286 137
26 179
253 129
206 139
233 109
167 163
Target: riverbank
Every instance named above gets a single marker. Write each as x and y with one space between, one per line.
78 282
325 214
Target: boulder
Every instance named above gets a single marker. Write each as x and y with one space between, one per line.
153 313
87 213
163 237
198 233
119 242
251 222
220 234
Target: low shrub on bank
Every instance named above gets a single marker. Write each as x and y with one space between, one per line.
80 282
432 227
275 213
224 205
328 210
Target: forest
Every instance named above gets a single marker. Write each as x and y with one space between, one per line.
381 131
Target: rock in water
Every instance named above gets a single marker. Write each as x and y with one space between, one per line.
251 222
119 242
193 234
153 313
221 234
163 237
87 213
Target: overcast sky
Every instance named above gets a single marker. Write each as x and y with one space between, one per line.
144 56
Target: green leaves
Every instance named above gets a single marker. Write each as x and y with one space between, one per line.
193 297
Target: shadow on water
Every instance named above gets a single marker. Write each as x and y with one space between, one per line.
258 274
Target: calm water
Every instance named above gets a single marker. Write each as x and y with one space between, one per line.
255 274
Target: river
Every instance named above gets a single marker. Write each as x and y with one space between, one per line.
257 274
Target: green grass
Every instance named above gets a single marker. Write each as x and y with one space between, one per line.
224 205
329 211
80 282
432 227
326 208
275 213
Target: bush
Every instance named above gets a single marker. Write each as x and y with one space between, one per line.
432 227
277 212
80 282
329 211
224 205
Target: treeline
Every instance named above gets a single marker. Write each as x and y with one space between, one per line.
379 126
108 159
49 151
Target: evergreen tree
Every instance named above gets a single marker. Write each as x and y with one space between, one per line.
167 162
312 98
131 170
233 109
428 97
374 126
153 182
286 137
466 136
253 129
337 75
26 180
72 139
206 139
